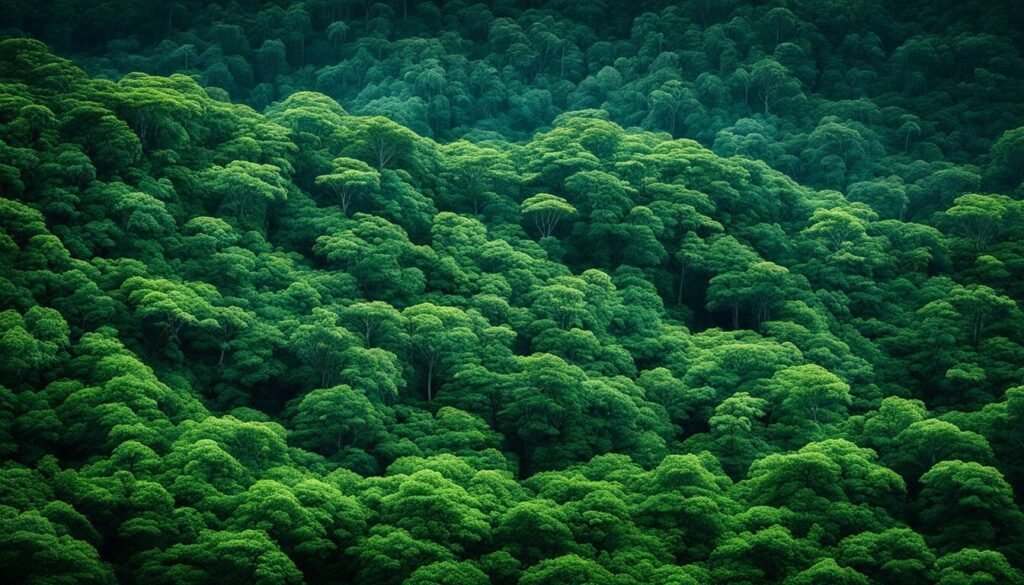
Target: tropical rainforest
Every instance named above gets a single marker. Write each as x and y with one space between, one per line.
485 292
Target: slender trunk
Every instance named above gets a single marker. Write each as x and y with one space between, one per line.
682 277
430 381
735 316
346 199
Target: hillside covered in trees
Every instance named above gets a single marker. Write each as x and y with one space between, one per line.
511 293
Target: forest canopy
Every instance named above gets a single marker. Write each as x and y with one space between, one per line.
511 293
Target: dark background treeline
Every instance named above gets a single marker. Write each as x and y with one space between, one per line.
900 81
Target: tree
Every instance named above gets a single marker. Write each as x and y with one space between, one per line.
140 213
233 557
246 188
329 420
375 372
834 138
381 142
1006 433
882 426
567 570
981 219
546 210
780 19
827 571
972 566
159 110
893 556
564 304
56 555
1008 157
434 509
337 32
442 338
172 306
736 431
691 252
925 443
32 341
378 323
320 343
888 198
448 573
772 83
545 404
534 530
761 286
832 483
379 255
810 393
836 227
388 556
759 555
477 175
348 178
980 304
682 501
271 60
273 507
672 102
967 504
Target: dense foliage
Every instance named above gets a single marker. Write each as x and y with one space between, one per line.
709 292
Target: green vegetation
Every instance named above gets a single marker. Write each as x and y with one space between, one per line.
497 293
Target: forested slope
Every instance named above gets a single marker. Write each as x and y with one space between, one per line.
306 344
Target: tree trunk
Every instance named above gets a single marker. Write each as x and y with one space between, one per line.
682 276
430 381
